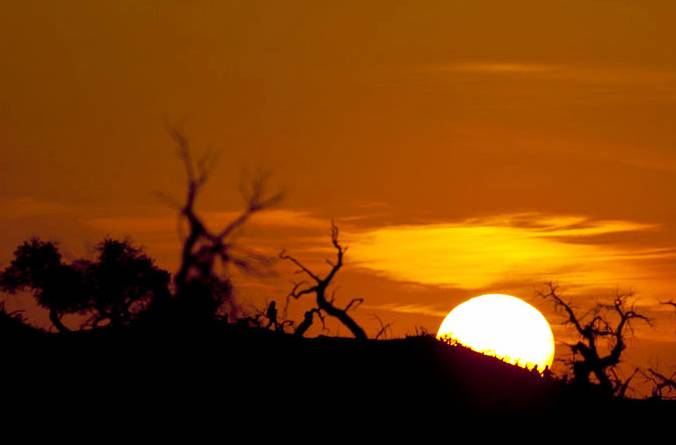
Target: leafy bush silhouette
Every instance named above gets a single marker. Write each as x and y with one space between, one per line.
58 287
113 289
123 282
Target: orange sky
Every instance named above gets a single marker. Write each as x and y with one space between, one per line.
464 147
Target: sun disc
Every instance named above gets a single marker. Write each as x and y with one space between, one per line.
502 326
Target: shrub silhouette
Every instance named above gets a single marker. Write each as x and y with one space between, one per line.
58 287
13 324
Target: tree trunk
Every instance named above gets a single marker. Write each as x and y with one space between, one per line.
55 318
344 318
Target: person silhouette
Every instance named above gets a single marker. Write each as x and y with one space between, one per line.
271 315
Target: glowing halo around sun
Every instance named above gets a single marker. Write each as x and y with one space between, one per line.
501 326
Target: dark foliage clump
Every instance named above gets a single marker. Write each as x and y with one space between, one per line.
113 289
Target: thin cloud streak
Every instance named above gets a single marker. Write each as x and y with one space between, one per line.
280 218
497 68
29 207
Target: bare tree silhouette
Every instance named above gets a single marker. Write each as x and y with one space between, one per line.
318 286
663 387
602 331
200 289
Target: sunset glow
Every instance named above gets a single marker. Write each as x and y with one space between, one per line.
461 148
501 326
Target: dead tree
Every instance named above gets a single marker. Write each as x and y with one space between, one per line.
308 319
602 335
620 384
663 387
318 286
198 286
384 327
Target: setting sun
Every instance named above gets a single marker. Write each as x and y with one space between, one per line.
501 326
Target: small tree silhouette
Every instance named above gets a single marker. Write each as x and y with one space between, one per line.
37 266
200 290
664 387
602 333
114 289
319 285
123 282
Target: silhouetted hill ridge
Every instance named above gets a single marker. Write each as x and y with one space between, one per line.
270 373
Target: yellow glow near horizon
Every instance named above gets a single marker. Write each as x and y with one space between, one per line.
501 326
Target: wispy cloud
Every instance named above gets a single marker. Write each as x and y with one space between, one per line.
477 253
496 68
577 73
28 207
409 309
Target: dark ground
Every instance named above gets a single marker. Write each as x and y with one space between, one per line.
243 373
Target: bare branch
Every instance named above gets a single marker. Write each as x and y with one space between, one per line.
384 328
283 255
353 303
296 292
561 304
663 386
669 303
